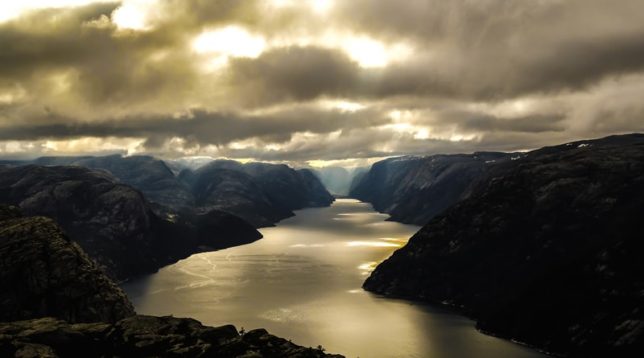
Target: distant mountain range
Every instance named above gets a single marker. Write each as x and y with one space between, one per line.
544 247
133 215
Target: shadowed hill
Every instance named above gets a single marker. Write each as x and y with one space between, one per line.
413 190
112 221
547 250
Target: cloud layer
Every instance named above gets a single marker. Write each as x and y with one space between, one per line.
317 80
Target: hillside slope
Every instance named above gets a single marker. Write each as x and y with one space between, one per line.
547 251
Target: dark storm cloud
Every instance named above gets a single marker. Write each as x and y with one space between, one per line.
581 62
294 74
477 122
100 66
502 48
202 127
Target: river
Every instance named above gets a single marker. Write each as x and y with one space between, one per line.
302 282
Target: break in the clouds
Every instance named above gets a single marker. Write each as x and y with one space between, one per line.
316 80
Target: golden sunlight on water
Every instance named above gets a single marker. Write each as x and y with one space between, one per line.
303 282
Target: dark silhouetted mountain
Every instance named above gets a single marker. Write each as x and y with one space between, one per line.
235 192
316 192
359 174
288 188
413 190
43 273
112 221
547 250
142 336
65 306
260 193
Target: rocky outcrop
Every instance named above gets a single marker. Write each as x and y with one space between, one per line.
44 273
547 251
112 221
142 336
413 190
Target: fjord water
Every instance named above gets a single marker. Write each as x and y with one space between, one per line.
302 281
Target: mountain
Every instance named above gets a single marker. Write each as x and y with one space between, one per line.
338 179
316 192
113 222
44 273
260 193
57 303
288 188
235 192
547 250
149 175
413 189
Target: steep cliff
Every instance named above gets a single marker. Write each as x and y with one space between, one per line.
547 250
44 273
413 189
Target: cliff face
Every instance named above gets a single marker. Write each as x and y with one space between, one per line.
111 221
315 192
43 273
547 250
413 190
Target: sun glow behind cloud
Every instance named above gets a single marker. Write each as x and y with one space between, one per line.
134 14
218 45
231 40
318 81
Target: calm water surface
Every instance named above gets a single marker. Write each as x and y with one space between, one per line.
302 282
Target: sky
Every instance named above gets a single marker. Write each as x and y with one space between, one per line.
321 82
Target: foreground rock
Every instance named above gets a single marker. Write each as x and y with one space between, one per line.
113 222
43 273
547 251
142 336
413 190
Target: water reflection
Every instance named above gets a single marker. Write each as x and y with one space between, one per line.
302 281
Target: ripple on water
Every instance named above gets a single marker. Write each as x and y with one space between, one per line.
302 281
